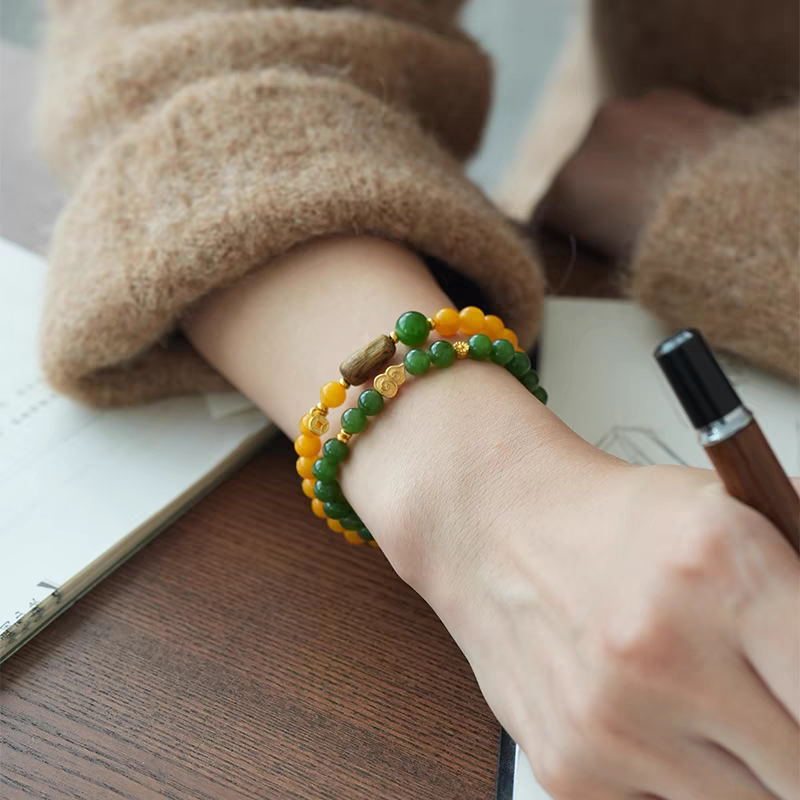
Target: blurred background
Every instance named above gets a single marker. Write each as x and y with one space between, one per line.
523 36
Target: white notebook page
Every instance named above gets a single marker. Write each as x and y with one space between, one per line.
79 489
598 368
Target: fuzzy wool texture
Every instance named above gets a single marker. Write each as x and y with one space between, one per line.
200 139
721 250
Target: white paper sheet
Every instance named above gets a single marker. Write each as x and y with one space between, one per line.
598 368
75 484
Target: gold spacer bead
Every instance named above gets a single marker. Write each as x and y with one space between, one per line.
431 323
320 408
344 383
394 337
344 436
461 348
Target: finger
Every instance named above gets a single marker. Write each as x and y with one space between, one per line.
769 625
753 726
701 770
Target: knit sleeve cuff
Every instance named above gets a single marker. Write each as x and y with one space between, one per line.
229 174
720 249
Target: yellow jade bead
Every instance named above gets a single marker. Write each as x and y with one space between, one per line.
353 538
304 424
333 394
318 507
308 488
494 326
472 321
510 335
305 467
335 526
307 446
446 321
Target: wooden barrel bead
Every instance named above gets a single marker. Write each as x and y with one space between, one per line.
365 363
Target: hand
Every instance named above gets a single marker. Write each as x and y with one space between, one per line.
635 629
603 192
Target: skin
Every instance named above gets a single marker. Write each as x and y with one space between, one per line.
634 628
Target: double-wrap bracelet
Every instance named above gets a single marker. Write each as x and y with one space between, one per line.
318 464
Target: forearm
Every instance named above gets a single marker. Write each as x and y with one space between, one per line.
447 441
282 333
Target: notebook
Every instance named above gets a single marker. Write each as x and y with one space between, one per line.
597 364
81 490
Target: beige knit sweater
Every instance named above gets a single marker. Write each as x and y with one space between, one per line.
201 138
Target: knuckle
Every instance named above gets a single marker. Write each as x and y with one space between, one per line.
559 774
596 717
640 642
705 548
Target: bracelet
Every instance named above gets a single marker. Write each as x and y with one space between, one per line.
489 340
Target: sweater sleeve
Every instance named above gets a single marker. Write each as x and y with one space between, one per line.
721 248
199 139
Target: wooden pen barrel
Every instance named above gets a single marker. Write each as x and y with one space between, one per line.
751 473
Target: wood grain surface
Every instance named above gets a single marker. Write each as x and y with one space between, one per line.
246 653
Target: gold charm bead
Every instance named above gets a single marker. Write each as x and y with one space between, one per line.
317 464
318 425
397 373
385 386
462 349
390 381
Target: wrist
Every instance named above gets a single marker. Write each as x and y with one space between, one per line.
456 463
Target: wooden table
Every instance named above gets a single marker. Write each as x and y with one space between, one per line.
246 653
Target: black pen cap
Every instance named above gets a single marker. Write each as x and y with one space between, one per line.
696 377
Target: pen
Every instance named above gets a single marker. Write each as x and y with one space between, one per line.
731 437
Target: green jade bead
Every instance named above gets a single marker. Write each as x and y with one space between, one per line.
354 420
371 402
541 395
480 347
338 509
335 450
364 534
412 328
520 365
442 354
327 492
417 362
530 380
502 352
351 522
325 469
